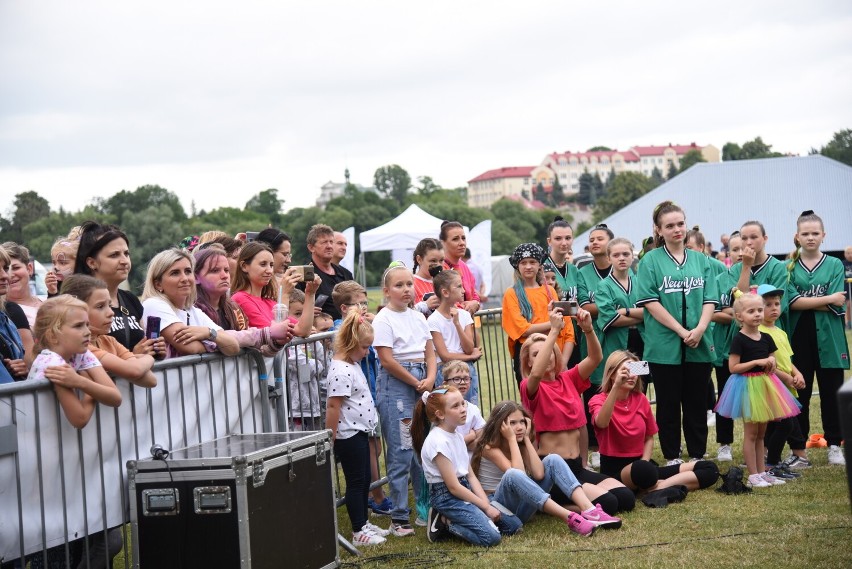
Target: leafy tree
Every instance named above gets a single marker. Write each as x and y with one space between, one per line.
599 149
840 147
268 204
525 194
585 192
427 186
539 193
626 188
231 220
393 182
690 159
28 207
150 230
751 150
673 171
141 198
598 188
656 178
557 194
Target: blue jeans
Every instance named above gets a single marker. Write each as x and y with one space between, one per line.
472 394
469 522
524 495
395 401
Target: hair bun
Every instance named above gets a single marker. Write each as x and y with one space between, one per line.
558 218
806 212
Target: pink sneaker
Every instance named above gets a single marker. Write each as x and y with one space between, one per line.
580 525
600 518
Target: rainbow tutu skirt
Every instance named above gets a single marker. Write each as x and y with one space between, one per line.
757 398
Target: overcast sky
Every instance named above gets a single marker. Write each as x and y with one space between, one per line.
217 101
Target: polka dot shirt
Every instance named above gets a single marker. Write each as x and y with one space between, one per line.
358 411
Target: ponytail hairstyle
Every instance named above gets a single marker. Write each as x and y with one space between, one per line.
492 436
353 332
695 233
558 221
93 238
426 414
443 280
225 312
805 216
51 316
613 362
423 247
526 364
602 227
445 228
662 209
81 286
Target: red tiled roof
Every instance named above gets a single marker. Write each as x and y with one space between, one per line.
507 172
658 150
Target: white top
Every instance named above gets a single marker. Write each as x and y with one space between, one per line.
451 445
447 330
48 358
358 412
474 422
406 333
170 315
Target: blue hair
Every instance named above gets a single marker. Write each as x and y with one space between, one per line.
523 301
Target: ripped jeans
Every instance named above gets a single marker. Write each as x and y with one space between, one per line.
395 402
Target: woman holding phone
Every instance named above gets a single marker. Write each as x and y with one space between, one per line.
104 253
169 295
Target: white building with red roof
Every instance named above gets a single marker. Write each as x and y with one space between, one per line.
492 185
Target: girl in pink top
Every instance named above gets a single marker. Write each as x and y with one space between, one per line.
455 244
625 429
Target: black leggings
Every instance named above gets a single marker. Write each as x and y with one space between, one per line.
724 425
646 474
619 499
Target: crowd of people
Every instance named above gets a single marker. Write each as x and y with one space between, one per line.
585 343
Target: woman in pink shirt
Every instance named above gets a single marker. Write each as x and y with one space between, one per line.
625 427
455 244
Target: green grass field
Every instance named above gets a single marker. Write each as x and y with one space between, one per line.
805 523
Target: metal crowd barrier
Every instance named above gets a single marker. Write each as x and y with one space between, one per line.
62 488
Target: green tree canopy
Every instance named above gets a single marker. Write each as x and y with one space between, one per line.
393 182
690 159
839 147
750 150
626 188
27 208
599 149
267 204
585 192
125 202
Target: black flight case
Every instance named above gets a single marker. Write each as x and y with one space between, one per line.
258 501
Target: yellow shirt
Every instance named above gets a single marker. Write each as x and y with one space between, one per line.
783 353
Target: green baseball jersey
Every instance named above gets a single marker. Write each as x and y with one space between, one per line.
682 289
568 288
825 278
611 296
724 333
772 272
717 266
587 286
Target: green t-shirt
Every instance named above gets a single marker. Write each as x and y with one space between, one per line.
568 287
724 333
587 286
772 272
825 278
682 289
611 296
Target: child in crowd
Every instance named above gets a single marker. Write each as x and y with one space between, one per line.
459 505
306 366
62 339
619 320
526 305
817 303
351 295
428 262
452 329
625 429
323 322
723 333
351 416
754 393
777 432
457 374
63 255
513 475
553 397
407 358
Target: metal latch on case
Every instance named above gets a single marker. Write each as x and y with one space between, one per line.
321 458
258 473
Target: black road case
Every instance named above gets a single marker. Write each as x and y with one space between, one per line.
243 501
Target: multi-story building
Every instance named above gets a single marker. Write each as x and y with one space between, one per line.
331 190
569 166
489 187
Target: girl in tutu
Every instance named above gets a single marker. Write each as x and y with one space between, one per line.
754 393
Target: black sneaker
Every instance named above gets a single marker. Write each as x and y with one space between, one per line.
781 471
436 528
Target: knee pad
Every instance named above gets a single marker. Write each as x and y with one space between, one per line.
625 497
608 502
644 474
707 473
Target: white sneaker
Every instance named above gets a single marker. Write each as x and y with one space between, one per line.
835 456
367 537
711 419
757 481
595 460
772 480
376 529
674 462
724 454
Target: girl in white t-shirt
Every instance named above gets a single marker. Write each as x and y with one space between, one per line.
351 416
407 357
452 329
459 505
62 335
